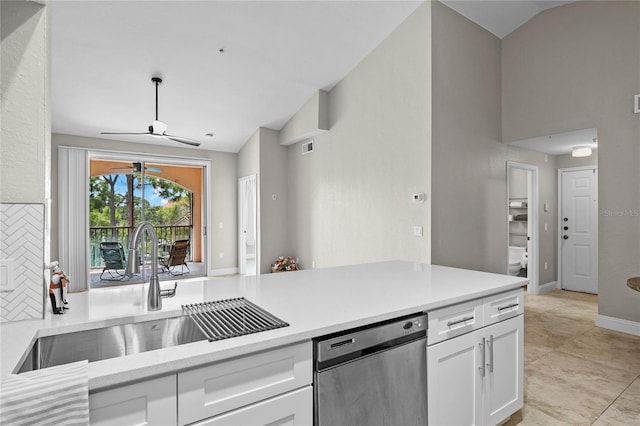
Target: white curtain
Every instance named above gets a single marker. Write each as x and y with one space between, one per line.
73 216
249 218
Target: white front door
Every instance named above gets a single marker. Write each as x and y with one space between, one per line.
579 230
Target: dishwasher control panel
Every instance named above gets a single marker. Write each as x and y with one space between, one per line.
373 337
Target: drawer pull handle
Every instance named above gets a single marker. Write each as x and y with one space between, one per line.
342 343
465 319
513 305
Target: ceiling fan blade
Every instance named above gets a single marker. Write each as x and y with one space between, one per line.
182 140
124 133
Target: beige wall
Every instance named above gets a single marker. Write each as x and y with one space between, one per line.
350 198
223 184
567 161
25 114
577 67
274 214
469 169
262 155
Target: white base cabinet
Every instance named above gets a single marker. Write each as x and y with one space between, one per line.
477 378
291 409
151 402
475 361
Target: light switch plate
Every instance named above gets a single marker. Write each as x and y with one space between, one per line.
636 104
7 280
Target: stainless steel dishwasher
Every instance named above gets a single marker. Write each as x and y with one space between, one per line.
375 375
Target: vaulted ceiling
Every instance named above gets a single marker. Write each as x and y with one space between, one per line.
228 67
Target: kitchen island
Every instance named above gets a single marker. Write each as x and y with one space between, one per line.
314 303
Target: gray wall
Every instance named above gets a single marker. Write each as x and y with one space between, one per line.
274 214
469 214
262 155
577 67
350 198
223 189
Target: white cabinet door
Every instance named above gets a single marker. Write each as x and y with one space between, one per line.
463 391
291 409
454 380
152 402
503 392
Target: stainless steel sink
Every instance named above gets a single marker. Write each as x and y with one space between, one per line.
111 342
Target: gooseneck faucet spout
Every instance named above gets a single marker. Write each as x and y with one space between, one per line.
154 299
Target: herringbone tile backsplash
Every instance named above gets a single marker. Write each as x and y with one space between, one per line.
22 261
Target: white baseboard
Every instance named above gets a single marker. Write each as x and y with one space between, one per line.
618 324
547 287
222 271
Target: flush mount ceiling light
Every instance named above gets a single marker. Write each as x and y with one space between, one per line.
581 151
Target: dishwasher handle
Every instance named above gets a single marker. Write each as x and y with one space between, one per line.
369 338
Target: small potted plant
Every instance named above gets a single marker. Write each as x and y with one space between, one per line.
283 264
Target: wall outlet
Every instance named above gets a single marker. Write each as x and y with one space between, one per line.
636 104
220 225
417 231
274 197
313 264
545 266
221 255
546 227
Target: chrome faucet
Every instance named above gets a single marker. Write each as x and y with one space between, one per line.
154 297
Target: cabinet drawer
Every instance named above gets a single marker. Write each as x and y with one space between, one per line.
293 408
454 320
151 402
217 388
503 306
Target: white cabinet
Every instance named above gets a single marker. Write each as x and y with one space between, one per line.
477 378
293 409
222 387
151 402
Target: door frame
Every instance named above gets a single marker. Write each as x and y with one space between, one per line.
242 252
97 154
559 220
532 223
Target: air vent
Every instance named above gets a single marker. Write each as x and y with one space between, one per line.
307 147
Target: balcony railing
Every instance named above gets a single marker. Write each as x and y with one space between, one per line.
167 234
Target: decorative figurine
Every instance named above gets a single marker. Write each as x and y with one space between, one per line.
58 288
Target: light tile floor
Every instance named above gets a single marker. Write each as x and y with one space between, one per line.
576 373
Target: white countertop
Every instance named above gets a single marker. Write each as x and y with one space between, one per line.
314 302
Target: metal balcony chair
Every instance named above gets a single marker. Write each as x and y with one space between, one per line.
114 261
177 257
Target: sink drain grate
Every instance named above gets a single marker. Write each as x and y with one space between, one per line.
223 319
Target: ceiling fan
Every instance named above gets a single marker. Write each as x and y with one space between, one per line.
137 168
157 128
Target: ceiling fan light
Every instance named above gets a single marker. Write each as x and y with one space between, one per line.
158 128
581 151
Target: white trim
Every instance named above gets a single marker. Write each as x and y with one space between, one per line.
547 287
532 219
242 254
206 164
222 271
618 324
559 221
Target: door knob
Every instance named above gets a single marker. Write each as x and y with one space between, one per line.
566 237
